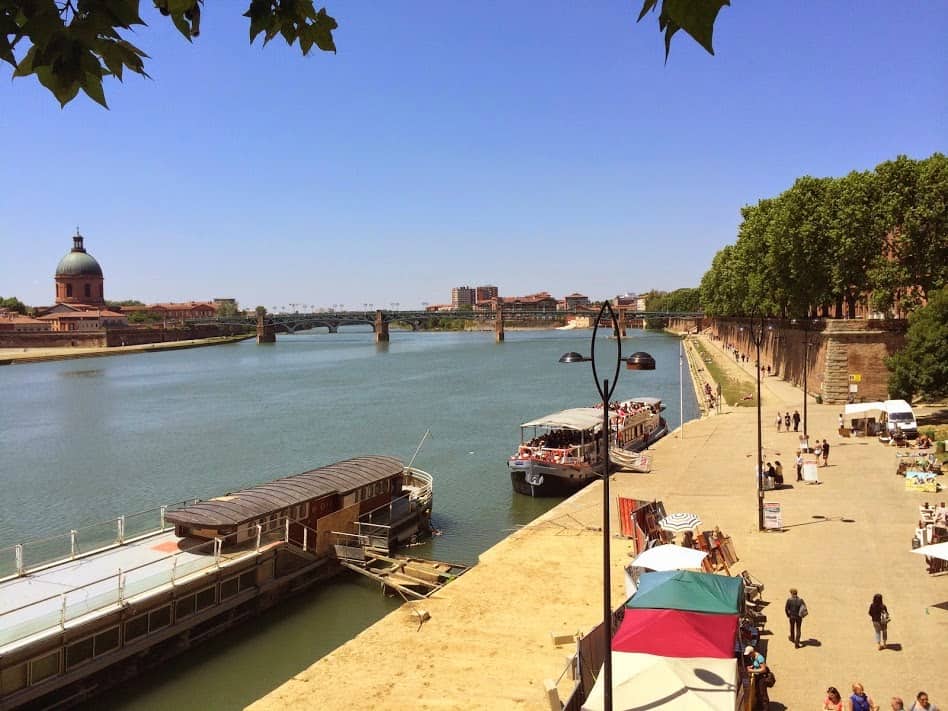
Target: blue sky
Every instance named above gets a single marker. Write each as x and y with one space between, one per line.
535 146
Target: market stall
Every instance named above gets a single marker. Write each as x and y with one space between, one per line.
863 419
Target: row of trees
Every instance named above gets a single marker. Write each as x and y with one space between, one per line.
678 301
13 304
828 244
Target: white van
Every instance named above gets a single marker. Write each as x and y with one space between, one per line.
899 417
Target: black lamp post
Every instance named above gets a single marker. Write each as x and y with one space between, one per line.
637 361
807 322
756 331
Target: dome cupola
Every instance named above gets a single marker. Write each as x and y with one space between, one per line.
79 277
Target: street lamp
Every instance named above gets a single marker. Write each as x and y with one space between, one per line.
757 331
807 322
637 361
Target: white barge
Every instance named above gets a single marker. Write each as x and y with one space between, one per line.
72 626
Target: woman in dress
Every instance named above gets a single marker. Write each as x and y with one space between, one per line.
833 701
880 620
779 420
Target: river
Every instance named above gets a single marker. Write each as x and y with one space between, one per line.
86 440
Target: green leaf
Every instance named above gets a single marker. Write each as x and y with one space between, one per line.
25 67
647 7
64 91
92 85
181 22
696 17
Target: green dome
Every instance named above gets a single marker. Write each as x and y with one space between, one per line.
78 262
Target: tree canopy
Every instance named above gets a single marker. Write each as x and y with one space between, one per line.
70 45
922 366
11 303
677 301
826 244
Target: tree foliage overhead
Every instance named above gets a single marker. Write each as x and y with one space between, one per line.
922 366
825 244
70 45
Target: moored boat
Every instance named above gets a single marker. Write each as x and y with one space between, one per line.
76 623
563 451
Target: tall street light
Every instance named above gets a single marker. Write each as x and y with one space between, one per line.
807 323
637 361
756 331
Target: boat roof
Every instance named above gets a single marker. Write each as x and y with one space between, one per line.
576 418
247 504
646 400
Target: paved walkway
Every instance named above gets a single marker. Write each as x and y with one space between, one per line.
488 645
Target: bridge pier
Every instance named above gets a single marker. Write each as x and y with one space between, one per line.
265 331
621 332
499 324
381 328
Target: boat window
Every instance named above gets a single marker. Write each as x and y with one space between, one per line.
228 588
136 627
106 641
248 579
159 618
12 678
184 607
44 667
79 652
205 598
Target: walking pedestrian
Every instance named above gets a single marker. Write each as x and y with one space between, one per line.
799 466
795 609
779 420
860 700
922 703
786 421
796 421
833 701
880 620
825 449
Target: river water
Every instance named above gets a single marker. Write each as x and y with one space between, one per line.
86 440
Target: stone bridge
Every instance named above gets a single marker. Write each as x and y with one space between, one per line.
268 325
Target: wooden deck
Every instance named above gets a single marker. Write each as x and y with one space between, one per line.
416 578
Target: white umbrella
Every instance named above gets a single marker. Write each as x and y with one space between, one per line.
669 557
679 522
935 550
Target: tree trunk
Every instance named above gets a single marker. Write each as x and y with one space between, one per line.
839 307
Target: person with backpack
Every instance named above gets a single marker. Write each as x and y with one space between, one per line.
880 620
860 700
795 609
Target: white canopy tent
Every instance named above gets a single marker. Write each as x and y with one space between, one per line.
857 416
669 557
647 681
935 550
860 409
577 418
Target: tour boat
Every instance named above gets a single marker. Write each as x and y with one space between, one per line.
560 453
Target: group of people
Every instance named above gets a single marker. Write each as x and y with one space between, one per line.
785 420
861 701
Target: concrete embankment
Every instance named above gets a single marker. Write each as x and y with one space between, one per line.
488 644
10 356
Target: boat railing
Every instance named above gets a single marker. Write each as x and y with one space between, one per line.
115 589
33 555
421 485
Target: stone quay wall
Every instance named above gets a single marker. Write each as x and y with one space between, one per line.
838 349
112 337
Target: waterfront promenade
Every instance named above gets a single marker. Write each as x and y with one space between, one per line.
487 644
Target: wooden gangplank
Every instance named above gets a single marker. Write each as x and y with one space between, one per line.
416 578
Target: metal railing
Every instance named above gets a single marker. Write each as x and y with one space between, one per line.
108 591
30 556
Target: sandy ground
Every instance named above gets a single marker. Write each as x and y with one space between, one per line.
488 643
35 355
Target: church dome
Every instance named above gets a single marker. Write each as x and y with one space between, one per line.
78 262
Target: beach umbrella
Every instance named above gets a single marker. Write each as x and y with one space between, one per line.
669 557
679 522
